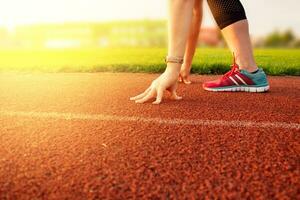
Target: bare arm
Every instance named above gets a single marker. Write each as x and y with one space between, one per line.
180 18
192 41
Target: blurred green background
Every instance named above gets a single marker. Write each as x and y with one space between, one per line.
131 36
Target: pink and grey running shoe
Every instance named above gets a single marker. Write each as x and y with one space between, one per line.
239 80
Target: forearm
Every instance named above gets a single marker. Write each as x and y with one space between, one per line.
180 18
194 33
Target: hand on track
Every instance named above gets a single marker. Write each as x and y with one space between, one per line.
184 76
166 81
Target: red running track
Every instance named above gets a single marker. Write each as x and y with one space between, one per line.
77 136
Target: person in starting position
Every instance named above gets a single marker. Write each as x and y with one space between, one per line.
184 16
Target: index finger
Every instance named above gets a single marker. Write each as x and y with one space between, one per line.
140 95
147 97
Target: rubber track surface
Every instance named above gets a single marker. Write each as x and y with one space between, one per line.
45 153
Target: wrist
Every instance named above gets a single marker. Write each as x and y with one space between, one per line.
174 59
173 65
173 70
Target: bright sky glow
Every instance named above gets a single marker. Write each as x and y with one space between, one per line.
264 15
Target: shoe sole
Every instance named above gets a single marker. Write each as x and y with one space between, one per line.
240 89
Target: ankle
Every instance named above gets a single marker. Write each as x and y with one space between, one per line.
250 69
249 66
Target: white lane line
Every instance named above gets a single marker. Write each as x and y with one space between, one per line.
175 121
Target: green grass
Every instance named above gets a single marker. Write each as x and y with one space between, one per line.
149 60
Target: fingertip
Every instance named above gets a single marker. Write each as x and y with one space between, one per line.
138 102
176 97
187 82
179 98
134 98
156 102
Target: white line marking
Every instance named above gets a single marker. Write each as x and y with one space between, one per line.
175 121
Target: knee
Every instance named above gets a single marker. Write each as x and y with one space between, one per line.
227 12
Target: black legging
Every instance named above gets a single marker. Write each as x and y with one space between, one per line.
226 12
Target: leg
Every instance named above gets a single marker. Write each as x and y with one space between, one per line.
231 18
238 40
244 75
192 42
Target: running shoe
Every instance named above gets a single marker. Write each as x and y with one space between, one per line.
239 80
